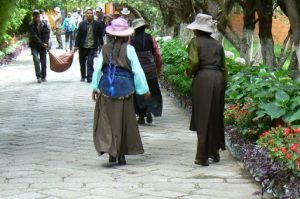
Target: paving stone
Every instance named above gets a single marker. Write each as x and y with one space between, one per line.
28 195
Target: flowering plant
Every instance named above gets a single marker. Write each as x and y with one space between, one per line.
242 116
283 144
274 176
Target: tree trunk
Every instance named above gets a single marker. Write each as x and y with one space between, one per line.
267 46
294 16
184 33
246 47
246 50
265 14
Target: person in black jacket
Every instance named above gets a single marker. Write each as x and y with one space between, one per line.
39 42
149 56
89 34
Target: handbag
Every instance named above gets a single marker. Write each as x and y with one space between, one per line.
148 63
116 82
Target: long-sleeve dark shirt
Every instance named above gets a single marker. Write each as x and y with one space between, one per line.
39 35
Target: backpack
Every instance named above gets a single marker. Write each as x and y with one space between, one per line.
69 26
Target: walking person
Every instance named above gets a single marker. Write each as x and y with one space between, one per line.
58 27
117 76
208 70
100 18
150 59
108 19
44 17
39 42
77 19
69 26
89 35
125 14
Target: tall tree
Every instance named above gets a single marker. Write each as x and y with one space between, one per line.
293 13
264 10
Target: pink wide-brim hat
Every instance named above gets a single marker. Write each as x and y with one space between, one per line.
203 22
119 27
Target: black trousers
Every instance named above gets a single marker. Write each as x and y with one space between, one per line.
86 60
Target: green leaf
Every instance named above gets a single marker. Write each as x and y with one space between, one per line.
295 116
259 114
282 96
273 110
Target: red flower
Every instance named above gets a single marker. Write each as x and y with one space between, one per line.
267 132
283 150
294 147
288 156
296 130
271 141
287 131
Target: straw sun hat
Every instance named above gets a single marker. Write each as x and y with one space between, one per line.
139 22
119 27
204 23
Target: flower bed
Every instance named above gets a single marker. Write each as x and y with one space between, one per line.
11 52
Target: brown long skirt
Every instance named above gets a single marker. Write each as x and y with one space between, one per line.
208 94
115 128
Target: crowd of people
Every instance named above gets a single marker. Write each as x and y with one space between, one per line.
125 80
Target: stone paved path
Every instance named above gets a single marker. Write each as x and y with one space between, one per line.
47 150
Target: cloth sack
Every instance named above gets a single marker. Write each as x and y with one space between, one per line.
62 62
148 63
116 82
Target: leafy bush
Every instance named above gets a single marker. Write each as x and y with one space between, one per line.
2 54
241 116
273 94
175 58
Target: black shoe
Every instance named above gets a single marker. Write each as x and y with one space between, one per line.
112 159
88 80
141 120
121 160
216 158
202 162
82 79
44 80
39 80
149 118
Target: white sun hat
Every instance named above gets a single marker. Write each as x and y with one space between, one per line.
57 9
203 22
125 11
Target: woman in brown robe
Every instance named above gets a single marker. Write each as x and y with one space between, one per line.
115 128
208 70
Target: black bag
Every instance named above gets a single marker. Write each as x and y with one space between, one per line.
148 63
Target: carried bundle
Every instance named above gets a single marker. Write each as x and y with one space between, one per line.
61 62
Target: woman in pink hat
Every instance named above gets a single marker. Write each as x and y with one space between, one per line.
208 70
116 78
